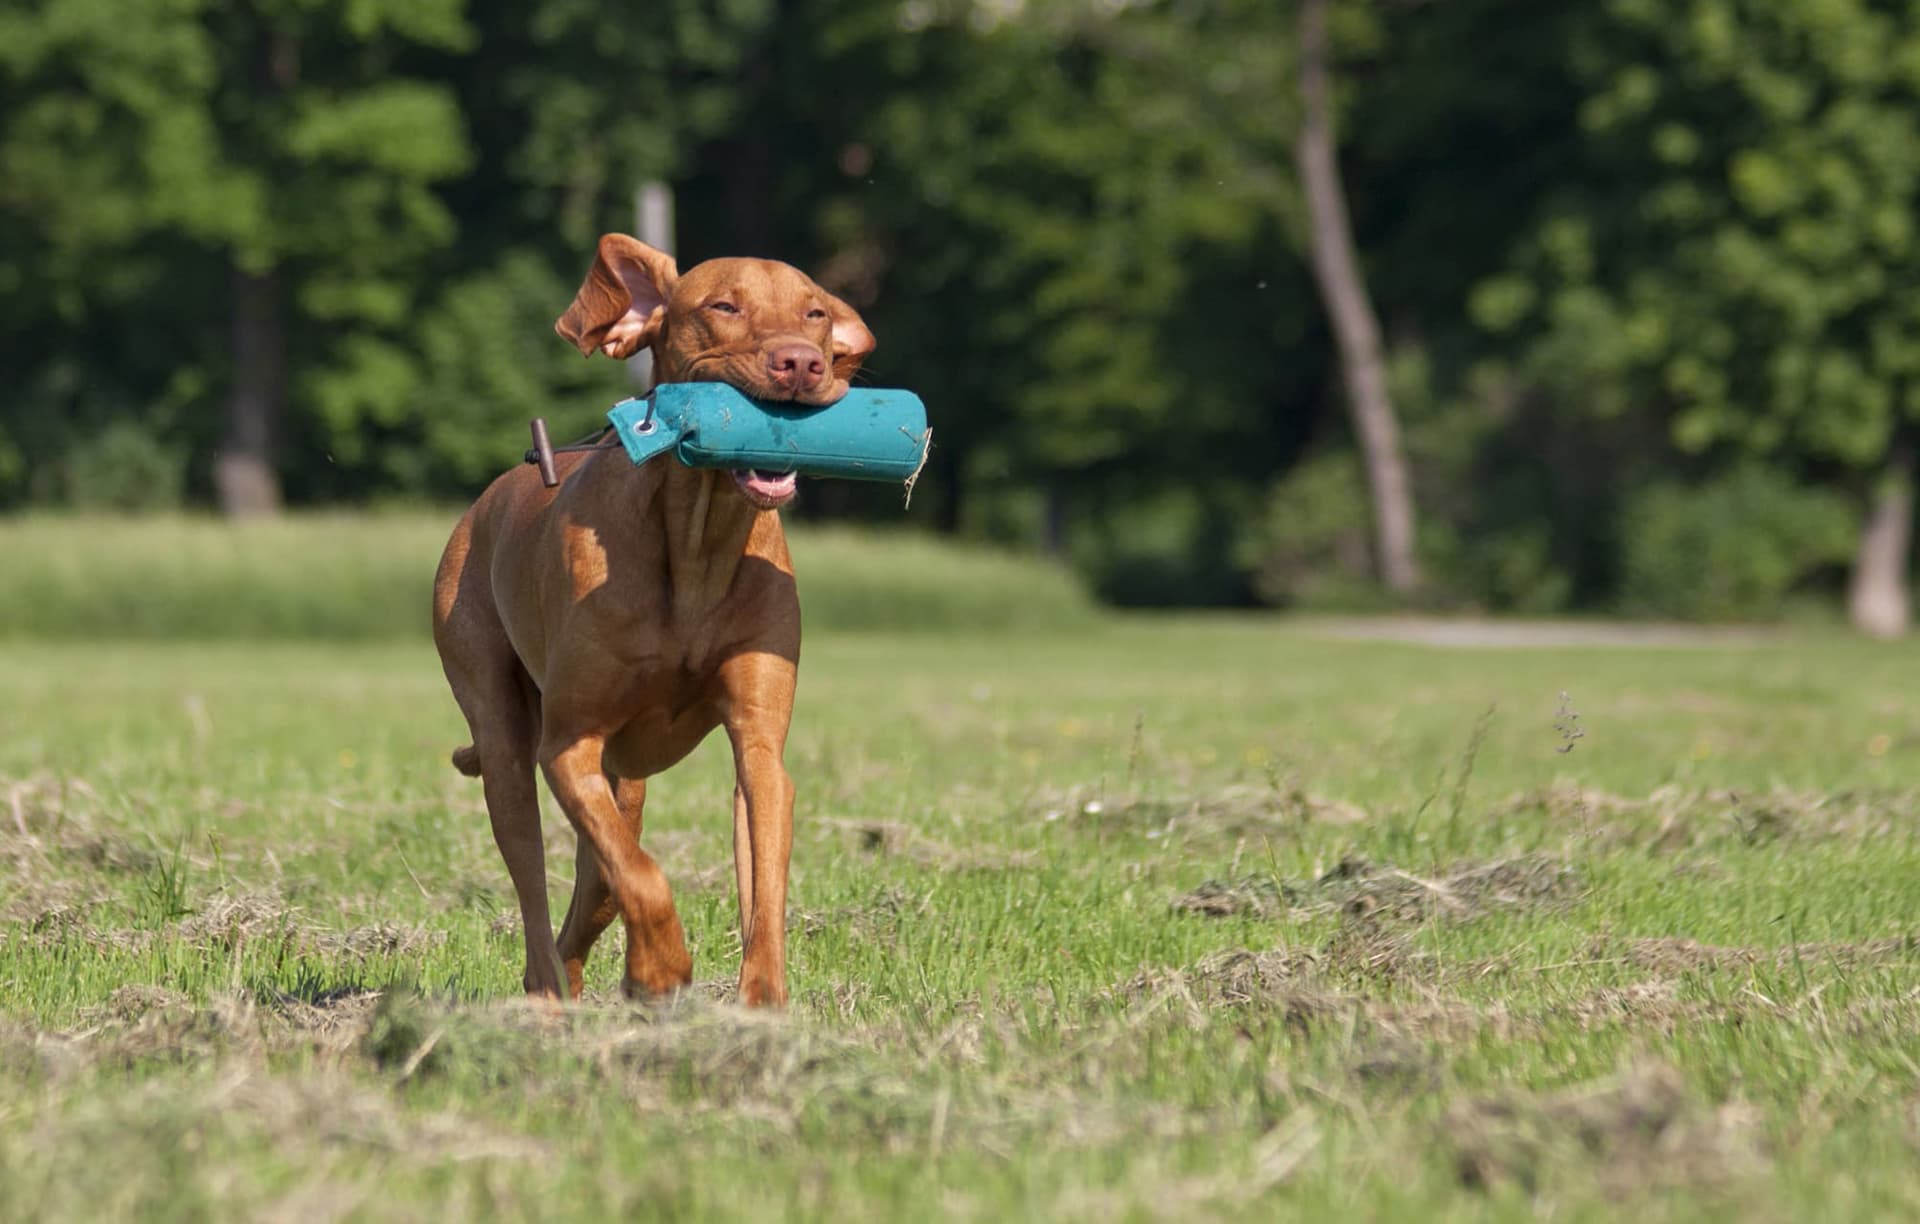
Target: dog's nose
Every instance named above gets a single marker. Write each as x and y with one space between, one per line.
797 367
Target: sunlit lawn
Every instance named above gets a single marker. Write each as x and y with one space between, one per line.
1167 917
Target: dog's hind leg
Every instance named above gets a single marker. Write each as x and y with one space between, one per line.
503 711
513 806
592 909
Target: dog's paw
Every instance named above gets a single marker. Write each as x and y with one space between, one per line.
763 990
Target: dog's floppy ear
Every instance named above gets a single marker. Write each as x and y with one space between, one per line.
851 339
622 305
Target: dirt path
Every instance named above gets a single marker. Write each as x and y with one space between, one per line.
1525 635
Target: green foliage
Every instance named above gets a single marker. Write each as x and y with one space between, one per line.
1080 239
1514 570
1165 548
1734 246
1309 547
482 362
146 149
125 467
1738 547
1615 244
606 100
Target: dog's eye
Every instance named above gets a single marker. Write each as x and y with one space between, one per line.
723 307
816 313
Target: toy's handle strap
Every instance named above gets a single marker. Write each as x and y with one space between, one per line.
642 431
543 450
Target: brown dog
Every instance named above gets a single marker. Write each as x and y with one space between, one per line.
602 628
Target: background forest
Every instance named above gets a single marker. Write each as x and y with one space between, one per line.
1600 305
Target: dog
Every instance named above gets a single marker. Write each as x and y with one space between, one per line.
599 630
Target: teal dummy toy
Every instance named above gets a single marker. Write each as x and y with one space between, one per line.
865 435
868 434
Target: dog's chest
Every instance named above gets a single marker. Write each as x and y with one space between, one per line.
664 725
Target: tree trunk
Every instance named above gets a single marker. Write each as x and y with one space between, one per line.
1355 328
243 475
1878 600
1053 521
945 462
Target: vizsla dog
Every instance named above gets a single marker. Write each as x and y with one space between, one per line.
601 629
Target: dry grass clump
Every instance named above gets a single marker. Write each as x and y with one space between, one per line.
1638 1131
689 1052
210 1146
331 1109
1363 889
896 839
52 840
1288 981
45 825
876 919
146 1026
1337 982
132 1002
51 827
51 908
1360 888
1251 896
229 920
375 939
1674 818
1238 976
225 922
1674 956
1297 987
1234 811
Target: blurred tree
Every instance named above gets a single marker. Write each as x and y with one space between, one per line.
1621 252
1061 240
1735 546
103 152
1736 246
279 203
1343 288
281 142
571 104
1459 120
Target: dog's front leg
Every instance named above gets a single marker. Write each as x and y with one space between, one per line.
592 909
759 690
657 959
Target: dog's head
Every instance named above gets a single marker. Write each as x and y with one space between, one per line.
763 326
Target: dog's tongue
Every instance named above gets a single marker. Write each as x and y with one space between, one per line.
770 486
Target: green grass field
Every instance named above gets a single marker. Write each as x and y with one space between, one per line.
1157 918
365 577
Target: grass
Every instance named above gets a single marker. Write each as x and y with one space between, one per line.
1193 918
367 578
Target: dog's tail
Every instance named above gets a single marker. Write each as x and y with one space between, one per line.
467 760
